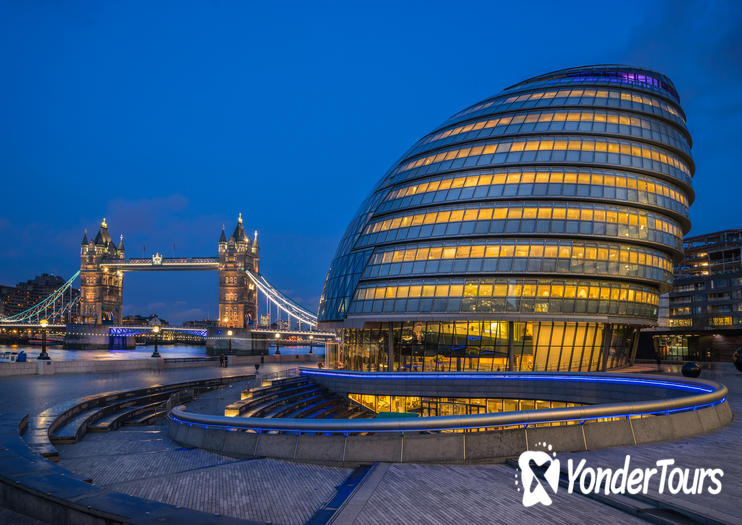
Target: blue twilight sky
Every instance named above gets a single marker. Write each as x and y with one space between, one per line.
169 118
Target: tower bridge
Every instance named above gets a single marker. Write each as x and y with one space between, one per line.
94 317
103 265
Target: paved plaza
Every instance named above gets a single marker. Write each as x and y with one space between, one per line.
35 393
143 462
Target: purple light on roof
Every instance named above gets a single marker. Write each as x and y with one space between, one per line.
614 77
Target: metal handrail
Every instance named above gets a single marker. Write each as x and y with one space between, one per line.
716 394
281 374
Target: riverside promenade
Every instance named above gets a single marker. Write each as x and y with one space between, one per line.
143 462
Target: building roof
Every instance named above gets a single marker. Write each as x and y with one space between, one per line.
239 234
521 205
103 237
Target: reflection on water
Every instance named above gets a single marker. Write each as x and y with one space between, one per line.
141 352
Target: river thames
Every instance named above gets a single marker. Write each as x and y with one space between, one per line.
57 353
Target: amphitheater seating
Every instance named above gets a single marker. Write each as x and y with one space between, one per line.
298 397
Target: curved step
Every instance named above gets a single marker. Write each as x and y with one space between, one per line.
280 411
88 419
305 412
274 385
43 426
147 419
115 420
248 405
263 408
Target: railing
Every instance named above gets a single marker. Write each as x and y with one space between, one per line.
189 359
316 333
274 376
169 260
281 374
701 394
8 357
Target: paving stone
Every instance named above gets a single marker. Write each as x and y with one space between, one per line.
261 490
143 462
482 494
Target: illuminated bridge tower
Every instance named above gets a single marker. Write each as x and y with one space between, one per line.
238 299
101 291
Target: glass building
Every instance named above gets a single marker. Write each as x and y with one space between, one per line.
534 230
703 314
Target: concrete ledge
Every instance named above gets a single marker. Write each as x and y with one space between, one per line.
494 446
608 434
369 449
446 448
724 411
239 444
319 449
565 438
281 446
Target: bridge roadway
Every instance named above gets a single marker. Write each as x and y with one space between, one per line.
168 264
318 335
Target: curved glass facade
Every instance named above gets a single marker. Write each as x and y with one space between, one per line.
560 202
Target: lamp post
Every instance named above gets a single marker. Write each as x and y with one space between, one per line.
43 355
277 337
156 331
229 335
311 337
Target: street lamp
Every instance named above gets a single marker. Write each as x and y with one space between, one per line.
277 337
311 337
43 355
156 331
229 334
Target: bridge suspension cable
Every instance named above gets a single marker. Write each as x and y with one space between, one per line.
54 306
282 302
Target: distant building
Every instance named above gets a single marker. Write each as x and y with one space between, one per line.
703 312
204 323
140 320
16 299
5 292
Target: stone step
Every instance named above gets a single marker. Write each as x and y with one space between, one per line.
115 420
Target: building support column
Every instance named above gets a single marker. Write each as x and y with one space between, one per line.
390 349
607 337
634 345
511 360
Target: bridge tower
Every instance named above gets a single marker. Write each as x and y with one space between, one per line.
238 297
101 290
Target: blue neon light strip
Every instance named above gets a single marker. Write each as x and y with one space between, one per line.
387 376
518 424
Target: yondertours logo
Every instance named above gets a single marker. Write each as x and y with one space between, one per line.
540 475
